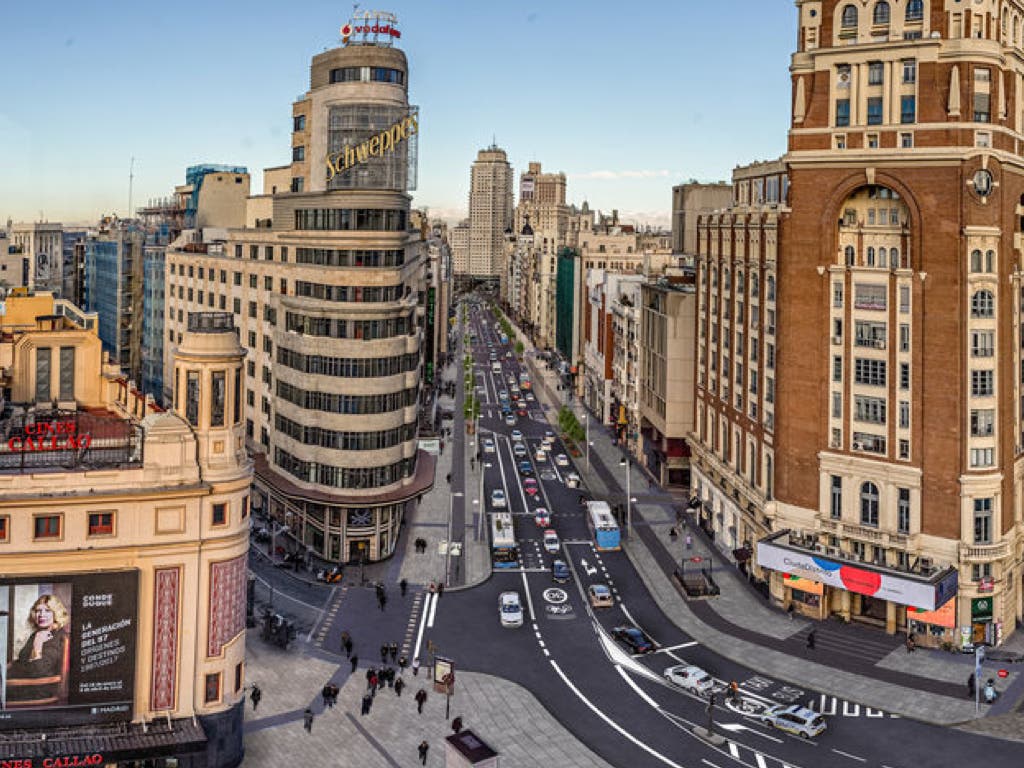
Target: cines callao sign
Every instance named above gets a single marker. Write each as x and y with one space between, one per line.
375 146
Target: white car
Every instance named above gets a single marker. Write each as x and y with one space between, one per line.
498 500
795 719
519 450
517 435
693 679
551 543
510 609
562 460
541 455
510 420
488 444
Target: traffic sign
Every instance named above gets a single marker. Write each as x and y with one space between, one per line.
1003 673
696 559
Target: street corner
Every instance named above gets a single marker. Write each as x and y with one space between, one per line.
288 679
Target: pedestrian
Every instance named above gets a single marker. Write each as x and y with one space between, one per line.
423 749
971 686
393 652
335 690
448 477
372 683
399 685
348 647
673 533
403 662
689 541
366 704
403 585
440 589
432 588
255 696
384 653
421 698
416 666
911 643
790 609
382 600
325 694
382 679
810 640
355 663
457 724
307 720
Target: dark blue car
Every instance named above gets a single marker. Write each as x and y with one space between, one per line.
560 571
634 639
525 468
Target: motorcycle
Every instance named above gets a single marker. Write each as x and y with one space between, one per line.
989 692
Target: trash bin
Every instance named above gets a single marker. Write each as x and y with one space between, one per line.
467 750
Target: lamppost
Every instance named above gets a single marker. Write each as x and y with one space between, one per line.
626 462
586 413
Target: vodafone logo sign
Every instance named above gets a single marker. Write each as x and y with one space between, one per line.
376 27
346 31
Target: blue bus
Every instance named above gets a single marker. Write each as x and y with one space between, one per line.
602 526
504 552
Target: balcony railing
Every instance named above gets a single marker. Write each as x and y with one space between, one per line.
975 552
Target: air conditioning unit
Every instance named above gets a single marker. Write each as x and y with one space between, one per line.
832 551
837 339
858 446
879 343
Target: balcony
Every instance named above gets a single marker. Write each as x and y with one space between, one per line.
984 552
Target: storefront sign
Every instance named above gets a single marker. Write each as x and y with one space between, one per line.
802 584
981 609
71 761
942 617
375 146
987 584
862 580
49 436
376 23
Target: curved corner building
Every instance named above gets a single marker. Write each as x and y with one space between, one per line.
325 280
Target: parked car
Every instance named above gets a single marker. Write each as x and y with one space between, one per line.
690 678
510 609
600 596
560 571
541 517
551 542
795 719
633 638
488 444
530 486
498 500
562 460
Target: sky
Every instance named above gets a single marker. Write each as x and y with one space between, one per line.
626 99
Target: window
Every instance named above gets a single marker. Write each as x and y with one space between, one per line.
245 507
904 299
842 112
982 343
218 396
982 457
66 391
982 108
869 372
298 153
982 304
875 110
982 422
903 511
981 571
908 109
904 376
881 14
915 10
869 296
212 695
238 677
101 523
876 73
904 414
905 449
837 405
981 383
849 16
192 398
299 123
268 283
837 368
982 139
871 140
837 291
4 528
983 521
252 309
976 260
220 514
43 356
836 503
910 71
254 252
869 504
47 526
869 409
906 140
253 280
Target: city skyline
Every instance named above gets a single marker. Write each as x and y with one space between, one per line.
67 156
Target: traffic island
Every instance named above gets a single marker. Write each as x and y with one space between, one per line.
715 739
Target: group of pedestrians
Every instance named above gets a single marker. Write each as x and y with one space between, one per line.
329 693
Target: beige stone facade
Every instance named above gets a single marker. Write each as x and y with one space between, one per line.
688 202
106 501
490 213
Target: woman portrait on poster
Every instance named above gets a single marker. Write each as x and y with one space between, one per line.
37 671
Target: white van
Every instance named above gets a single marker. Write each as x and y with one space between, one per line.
496 367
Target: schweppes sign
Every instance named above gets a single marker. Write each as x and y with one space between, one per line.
387 140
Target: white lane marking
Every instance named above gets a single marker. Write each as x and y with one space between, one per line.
761 762
735 727
632 684
622 731
423 626
847 754
708 763
734 750
279 593
635 624
529 602
677 647
433 610
620 658
320 618
546 651
501 469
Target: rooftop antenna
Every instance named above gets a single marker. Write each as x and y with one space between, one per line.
131 179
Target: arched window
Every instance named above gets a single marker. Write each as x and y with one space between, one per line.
726 282
869 504
915 10
990 258
894 258
982 304
850 16
975 261
755 286
871 256
739 281
881 15
850 255
883 258
769 286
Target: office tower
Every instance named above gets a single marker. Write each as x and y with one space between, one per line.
490 214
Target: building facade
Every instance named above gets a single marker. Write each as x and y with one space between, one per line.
689 200
325 282
897 403
131 524
490 213
41 247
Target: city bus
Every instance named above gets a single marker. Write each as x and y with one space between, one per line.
504 553
602 526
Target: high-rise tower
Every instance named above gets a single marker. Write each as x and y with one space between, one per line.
490 213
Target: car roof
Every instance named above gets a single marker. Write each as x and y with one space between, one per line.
796 709
600 588
509 596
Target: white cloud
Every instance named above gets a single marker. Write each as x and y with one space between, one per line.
602 174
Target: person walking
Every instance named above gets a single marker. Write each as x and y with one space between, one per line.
255 696
402 663
355 663
416 666
347 645
421 699
393 651
367 703
810 640
389 676
457 724
423 749
325 694
371 681
403 585
971 683
440 589
399 685
790 610
689 541
307 720
384 653
673 533
382 600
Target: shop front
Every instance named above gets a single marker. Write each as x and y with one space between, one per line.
933 629
805 596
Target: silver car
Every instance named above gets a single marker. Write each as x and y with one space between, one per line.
795 719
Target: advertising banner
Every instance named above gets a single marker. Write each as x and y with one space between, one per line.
68 646
943 617
865 581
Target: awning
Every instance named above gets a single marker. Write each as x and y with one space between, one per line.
804 585
940 617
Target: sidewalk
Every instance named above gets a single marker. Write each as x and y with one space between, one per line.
850 661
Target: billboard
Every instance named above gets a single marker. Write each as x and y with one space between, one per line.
68 645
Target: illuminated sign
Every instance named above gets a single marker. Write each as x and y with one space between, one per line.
376 146
49 436
75 761
377 24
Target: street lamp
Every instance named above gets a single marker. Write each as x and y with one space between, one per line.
627 463
586 413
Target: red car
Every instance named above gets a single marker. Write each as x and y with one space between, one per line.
542 518
530 486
